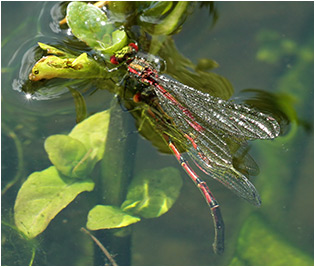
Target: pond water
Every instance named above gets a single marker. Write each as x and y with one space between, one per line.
258 45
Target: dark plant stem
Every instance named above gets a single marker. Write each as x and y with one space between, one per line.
116 172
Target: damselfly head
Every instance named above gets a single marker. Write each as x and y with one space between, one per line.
134 46
126 54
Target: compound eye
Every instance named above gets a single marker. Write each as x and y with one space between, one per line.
114 60
134 46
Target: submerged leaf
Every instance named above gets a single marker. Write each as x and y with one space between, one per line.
89 24
80 105
108 217
42 196
155 21
69 156
152 193
92 132
76 154
257 236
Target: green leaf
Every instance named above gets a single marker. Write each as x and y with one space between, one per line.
73 68
42 196
153 21
108 217
89 24
69 156
80 105
55 51
75 155
158 8
92 132
153 192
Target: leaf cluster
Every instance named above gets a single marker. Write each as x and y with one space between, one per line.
45 193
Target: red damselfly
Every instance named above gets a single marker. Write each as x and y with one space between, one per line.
208 128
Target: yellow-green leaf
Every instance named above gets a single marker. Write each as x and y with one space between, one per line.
69 156
92 132
108 217
42 196
153 192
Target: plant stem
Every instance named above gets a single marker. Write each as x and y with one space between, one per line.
116 171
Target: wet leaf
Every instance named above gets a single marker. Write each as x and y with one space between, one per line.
55 51
81 67
42 196
108 217
69 156
89 24
153 192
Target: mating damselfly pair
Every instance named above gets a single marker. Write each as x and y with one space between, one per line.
208 128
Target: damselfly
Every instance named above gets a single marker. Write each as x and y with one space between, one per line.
208 128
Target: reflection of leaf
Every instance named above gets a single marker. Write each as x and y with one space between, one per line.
42 196
89 24
107 217
152 193
69 156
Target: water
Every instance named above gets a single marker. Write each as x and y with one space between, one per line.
244 33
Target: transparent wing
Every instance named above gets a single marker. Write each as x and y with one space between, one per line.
209 150
233 119
238 183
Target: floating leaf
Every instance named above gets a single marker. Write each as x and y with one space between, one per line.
53 50
89 24
108 217
42 196
153 192
69 156
81 67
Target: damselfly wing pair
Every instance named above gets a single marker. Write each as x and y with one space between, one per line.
208 128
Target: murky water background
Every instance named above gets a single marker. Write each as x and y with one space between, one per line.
184 235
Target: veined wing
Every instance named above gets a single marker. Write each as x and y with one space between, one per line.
238 183
209 150
233 119
222 167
